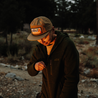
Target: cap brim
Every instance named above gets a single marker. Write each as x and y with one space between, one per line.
34 38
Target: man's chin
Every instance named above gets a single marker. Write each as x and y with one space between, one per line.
46 44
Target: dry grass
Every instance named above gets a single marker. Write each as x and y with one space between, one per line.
91 59
25 47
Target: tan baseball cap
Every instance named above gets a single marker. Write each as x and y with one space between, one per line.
40 27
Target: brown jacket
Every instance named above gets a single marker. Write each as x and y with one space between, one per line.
61 75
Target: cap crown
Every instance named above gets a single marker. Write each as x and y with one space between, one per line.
42 22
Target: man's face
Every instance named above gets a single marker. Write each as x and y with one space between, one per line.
47 39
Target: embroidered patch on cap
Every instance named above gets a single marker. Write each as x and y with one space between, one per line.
36 31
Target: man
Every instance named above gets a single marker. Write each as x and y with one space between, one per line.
58 59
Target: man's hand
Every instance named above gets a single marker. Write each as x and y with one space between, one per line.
40 66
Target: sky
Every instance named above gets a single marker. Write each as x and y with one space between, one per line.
67 0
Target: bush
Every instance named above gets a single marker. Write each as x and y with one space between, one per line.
77 35
12 59
13 49
82 41
92 62
92 57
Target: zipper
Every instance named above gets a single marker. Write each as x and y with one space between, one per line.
50 67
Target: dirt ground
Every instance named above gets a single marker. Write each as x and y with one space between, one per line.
30 86
12 88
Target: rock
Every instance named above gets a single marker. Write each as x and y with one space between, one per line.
22 57
25 64
83 81
36 92
19 78
2 64
93 80
87 71
79 94
16 66
34 82
25 68
92 37
81 36
87 96
10 75
12 67
13 76
8 66
97 82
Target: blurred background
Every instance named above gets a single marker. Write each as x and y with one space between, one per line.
65 14
70 16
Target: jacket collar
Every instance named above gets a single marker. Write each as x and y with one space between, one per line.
59 39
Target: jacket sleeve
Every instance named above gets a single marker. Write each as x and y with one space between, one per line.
36 56
71 72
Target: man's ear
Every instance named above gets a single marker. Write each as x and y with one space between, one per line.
53 28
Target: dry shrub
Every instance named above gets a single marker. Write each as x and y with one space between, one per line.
77 35
83 60
28 56
13 49
82 41
21 52
92 51
86 42
92 57
93 73
92 62
12 59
